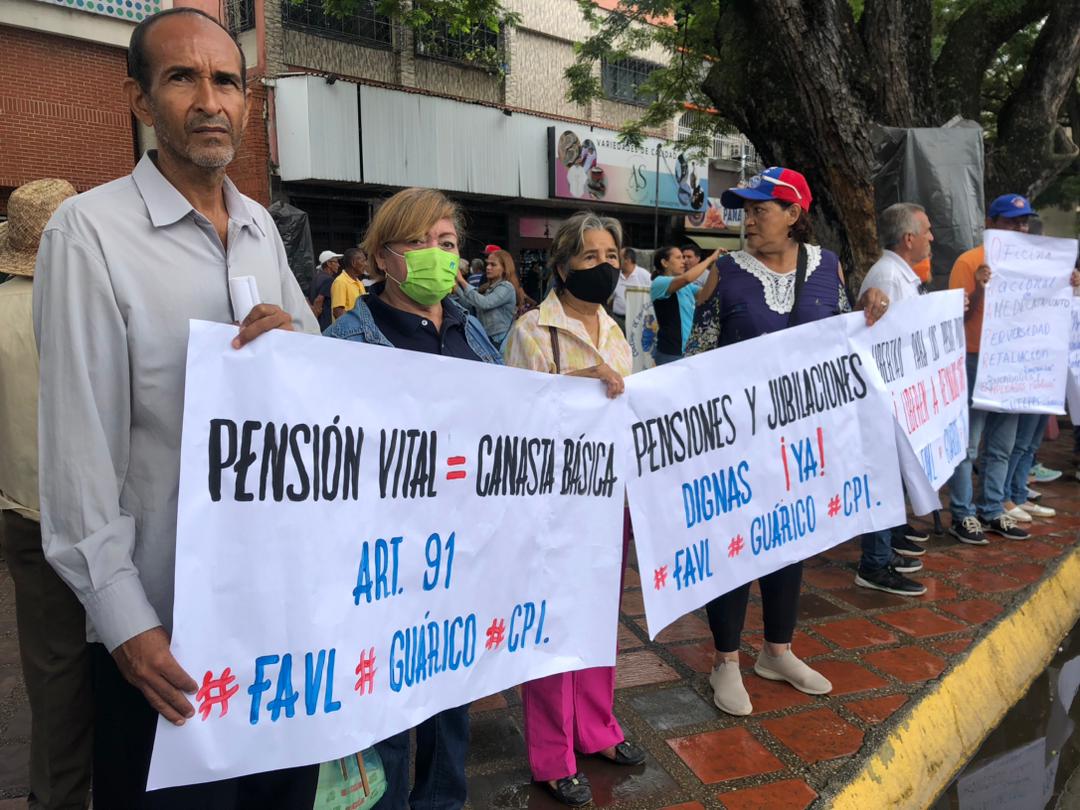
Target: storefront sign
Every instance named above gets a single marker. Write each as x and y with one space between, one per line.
591 164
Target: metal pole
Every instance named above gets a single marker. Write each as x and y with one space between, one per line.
656 201
742 179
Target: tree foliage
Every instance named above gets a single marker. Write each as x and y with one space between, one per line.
808 83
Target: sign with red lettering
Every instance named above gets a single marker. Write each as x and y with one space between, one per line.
751 457
920 351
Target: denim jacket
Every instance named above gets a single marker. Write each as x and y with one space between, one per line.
357 325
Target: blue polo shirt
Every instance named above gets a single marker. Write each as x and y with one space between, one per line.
408 331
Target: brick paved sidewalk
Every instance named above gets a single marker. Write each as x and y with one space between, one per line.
880 651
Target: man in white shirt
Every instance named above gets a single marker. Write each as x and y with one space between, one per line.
121 270
630 275
904 231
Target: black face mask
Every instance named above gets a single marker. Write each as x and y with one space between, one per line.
593 284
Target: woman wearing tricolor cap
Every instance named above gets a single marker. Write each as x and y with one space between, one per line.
779 280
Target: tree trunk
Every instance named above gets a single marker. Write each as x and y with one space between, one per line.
896 37
1031 147
796 98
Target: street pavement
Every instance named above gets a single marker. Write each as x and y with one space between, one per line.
881 652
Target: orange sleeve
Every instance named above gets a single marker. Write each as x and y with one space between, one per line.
963 273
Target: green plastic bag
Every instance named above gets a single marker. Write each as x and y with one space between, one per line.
351 783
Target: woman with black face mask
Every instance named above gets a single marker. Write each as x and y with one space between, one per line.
675 296
570 333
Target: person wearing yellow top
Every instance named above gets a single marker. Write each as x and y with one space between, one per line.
349 285
573 712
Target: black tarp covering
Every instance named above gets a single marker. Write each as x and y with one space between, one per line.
292 224
941 169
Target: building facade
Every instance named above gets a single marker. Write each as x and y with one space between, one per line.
347 111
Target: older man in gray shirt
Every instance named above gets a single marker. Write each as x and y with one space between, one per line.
120 272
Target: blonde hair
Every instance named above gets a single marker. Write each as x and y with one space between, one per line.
569 239
509 271
408 215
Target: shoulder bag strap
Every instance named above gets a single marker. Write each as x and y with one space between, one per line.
555 348
800 282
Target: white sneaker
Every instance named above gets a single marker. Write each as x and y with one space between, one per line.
1034 494
729 692
1018 514
788 668
1035 510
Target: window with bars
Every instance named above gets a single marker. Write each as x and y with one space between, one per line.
480 47
240 15
364 25
622 79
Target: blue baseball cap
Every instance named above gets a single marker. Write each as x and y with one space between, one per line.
1010 206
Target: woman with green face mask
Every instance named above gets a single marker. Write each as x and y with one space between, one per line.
413 247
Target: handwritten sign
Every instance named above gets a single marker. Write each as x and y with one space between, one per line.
748 458
354 558
919 350
1023 352
1072 388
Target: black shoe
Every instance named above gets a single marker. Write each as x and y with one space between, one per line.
1005 526
626 753
915 535
573 790
969 531
905 565
905 548
886 579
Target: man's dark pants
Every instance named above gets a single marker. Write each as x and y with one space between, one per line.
124 726
56 668
442 743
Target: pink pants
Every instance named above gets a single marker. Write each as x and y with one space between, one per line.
571 711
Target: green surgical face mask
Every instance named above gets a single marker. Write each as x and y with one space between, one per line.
431 273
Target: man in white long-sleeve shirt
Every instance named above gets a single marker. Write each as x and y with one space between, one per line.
120 271
904 231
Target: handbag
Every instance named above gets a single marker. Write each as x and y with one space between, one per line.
351 783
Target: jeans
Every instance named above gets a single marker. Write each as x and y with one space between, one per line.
876 550
998 431
961 493
1029 435
442 743
999 437
662 359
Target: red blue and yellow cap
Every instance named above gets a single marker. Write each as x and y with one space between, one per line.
775 183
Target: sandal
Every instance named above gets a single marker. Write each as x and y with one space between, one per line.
626 753
571 790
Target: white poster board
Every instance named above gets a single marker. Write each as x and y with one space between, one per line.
1072 388
354 557
919 349
751 457
641 327
1023 350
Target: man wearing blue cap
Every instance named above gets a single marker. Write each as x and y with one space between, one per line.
971 519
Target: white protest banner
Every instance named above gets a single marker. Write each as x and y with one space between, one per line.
1072 388
920 351
751 457
1023 351
641 327
362 543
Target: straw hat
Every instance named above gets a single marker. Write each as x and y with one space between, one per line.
29 209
